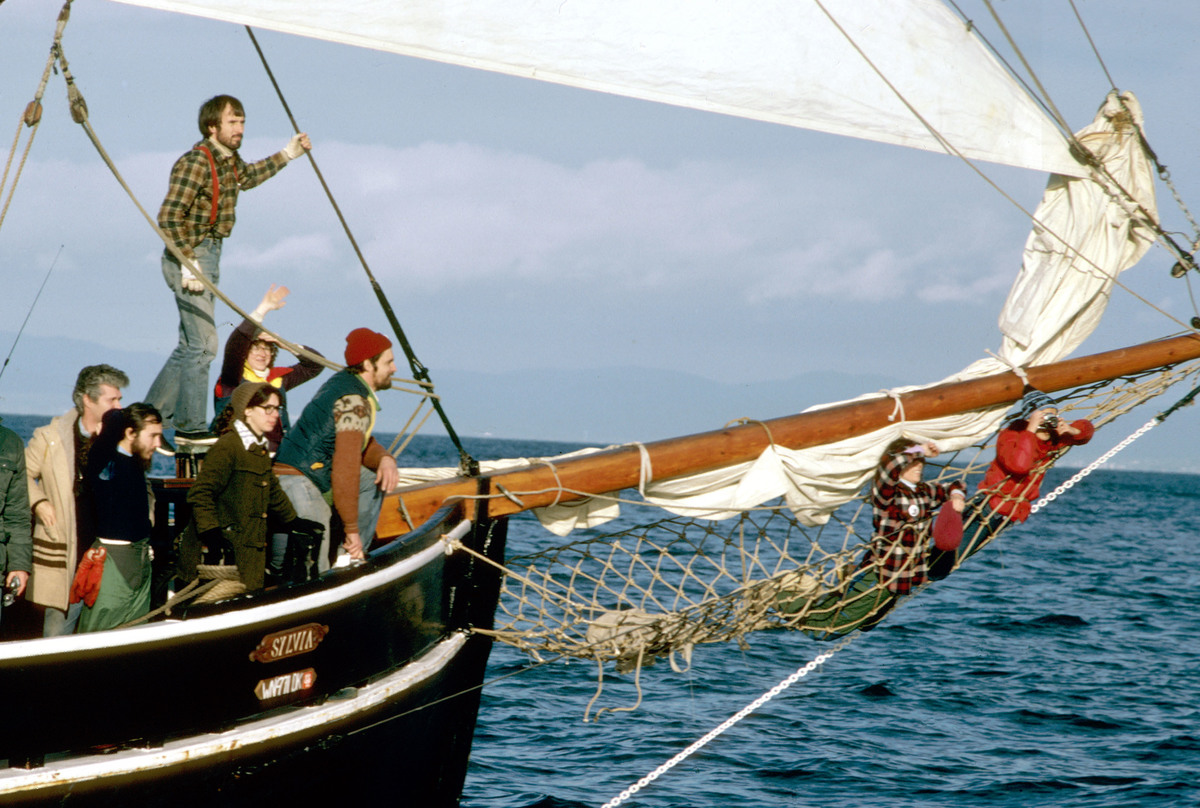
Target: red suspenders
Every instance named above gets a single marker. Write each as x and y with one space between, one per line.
216 189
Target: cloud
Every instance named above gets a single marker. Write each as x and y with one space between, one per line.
312 248
447 214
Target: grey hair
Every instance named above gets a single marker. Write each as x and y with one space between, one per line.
91 377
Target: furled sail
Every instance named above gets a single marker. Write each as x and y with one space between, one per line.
781 61
1086 232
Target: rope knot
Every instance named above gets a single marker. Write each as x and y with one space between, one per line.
451 544
899 408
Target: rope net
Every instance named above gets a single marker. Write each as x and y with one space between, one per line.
655 590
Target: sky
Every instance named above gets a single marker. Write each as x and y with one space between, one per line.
520 227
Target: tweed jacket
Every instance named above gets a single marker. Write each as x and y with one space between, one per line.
237 492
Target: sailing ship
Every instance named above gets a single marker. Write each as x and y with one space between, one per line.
283 694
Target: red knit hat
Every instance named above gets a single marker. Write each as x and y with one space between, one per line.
363 343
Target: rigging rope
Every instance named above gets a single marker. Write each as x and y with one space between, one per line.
820 659
1181 254
467 463
1150 221
32 305
79 113
32 117
647 591
1113 452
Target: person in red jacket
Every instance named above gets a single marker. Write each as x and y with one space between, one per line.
1024 451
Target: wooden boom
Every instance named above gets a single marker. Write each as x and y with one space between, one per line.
536 486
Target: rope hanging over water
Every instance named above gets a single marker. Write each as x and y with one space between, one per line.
820 659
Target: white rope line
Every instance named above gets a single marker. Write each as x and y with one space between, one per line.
799 674
1015 368
1109 455
899 408
646 471
557 481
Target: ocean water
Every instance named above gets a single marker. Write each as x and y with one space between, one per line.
1059 667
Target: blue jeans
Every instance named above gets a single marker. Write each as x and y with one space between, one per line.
309 503
57 623
181 389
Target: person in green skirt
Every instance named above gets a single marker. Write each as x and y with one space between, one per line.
113 581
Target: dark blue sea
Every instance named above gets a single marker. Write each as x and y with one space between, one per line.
1059 667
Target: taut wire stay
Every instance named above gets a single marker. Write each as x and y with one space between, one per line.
467 464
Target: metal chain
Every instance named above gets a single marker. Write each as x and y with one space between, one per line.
799 674
1069 484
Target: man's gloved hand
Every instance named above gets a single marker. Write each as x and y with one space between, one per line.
297 146
216 547
309 526
190 282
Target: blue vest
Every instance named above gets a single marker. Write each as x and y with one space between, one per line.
308 445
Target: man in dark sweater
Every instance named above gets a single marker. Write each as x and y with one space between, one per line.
113 581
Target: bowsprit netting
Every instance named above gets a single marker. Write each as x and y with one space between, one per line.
658 589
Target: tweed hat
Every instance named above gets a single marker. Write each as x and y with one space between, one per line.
242 395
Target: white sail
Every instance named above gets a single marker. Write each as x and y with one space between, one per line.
783 61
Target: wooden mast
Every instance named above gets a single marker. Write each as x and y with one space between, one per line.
615 469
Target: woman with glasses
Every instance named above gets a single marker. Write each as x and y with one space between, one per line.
250 355
237 502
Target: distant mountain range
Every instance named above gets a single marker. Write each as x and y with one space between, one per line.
576 405
596 406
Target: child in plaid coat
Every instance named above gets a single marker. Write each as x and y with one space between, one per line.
904 508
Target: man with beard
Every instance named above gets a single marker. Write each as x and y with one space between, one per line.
197 215
114 578
330 453
55 461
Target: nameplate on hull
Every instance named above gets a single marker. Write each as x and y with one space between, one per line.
290 643
289 684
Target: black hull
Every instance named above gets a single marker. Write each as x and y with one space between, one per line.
328 689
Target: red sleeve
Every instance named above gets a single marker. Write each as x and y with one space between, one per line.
1086 431
346 461
1016 451
373 454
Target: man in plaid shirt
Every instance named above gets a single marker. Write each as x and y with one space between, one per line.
196 216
